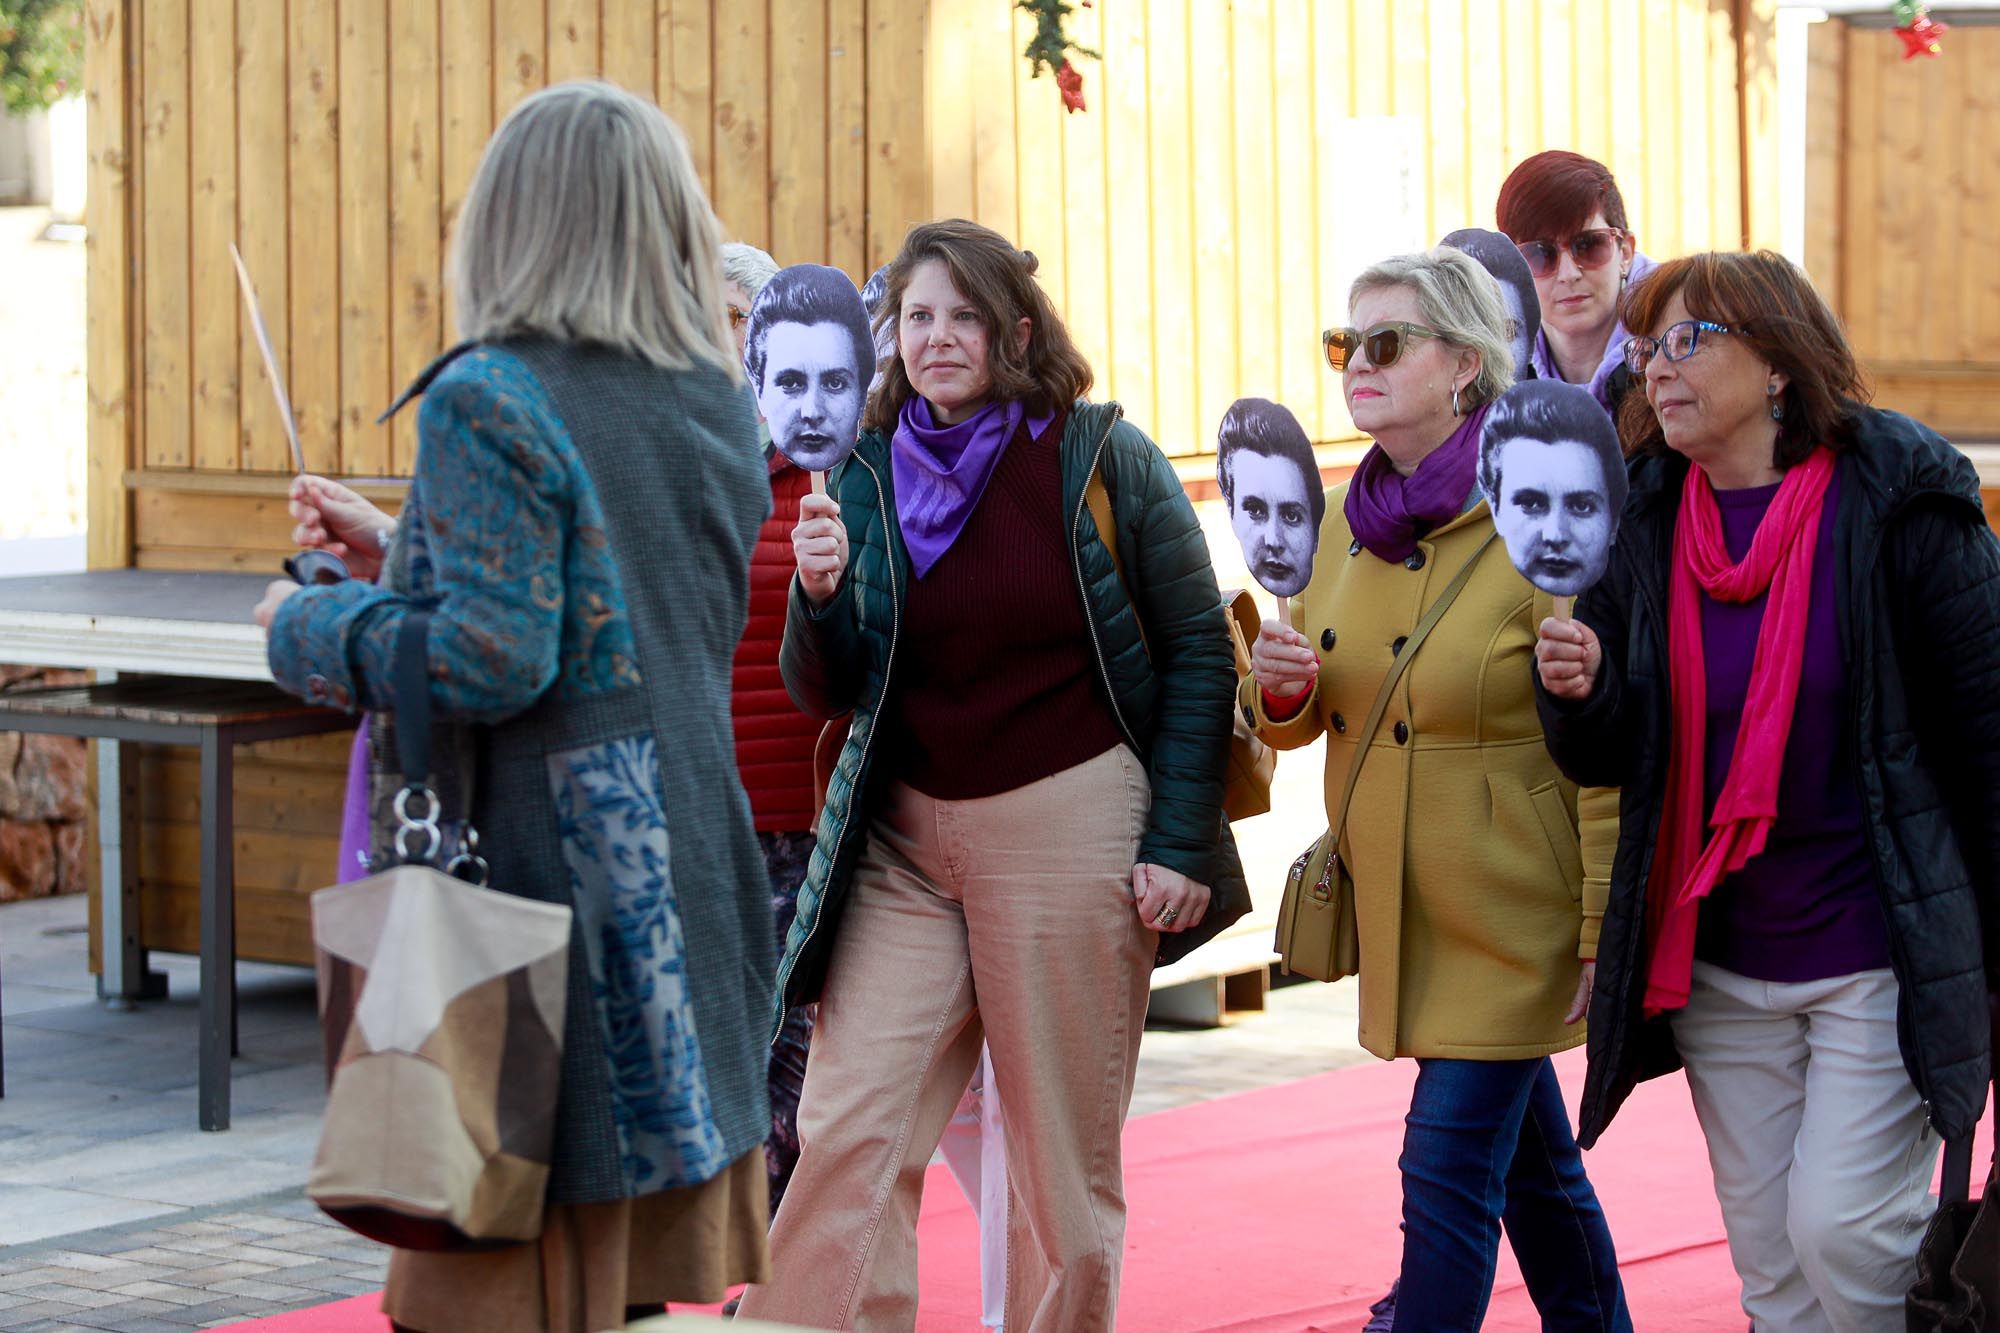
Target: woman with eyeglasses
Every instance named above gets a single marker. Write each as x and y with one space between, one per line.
1790 669
1566 214
1476 929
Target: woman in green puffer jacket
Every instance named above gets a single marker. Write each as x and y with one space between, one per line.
1028 809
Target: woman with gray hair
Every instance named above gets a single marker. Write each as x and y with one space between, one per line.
1476 921
578 530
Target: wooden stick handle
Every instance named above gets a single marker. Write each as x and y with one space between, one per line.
819 483
1284 610
1564 605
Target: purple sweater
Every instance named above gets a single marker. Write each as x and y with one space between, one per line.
1806 908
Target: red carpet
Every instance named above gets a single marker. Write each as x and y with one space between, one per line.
1275 1212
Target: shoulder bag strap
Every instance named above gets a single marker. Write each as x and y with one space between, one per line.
1382 696
413 698
418 837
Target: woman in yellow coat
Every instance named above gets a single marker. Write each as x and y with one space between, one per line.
1477 924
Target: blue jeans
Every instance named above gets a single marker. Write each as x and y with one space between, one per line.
1487 1141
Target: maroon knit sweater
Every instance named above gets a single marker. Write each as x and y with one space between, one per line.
998 683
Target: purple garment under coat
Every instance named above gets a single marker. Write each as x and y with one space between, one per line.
941 471
1390 512
1806 908
355 839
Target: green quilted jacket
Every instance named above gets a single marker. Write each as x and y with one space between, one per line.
1175 702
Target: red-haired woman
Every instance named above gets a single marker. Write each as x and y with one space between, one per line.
1565 212
1790 669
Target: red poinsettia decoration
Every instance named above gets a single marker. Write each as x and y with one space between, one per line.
1920 37
1070 80
1050 47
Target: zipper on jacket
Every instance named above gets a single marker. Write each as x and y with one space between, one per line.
1076 563
1898 958
888 665
1588 1115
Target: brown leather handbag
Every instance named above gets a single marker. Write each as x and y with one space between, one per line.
442 1005
1318 935
1246 788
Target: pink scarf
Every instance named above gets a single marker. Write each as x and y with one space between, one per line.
1780 561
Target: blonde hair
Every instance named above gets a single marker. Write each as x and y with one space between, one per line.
1461 301
586 223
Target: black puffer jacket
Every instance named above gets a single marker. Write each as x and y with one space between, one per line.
1919 621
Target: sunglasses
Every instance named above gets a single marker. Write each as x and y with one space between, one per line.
1680 342
738 317
1383 343
1591 249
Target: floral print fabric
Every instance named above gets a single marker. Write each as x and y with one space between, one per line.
614 839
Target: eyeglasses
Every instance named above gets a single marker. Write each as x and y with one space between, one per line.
1384 343
1680 342
738 317
1591 249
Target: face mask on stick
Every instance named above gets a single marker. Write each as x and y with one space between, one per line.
1502 258
1551 468
1269 477
809 356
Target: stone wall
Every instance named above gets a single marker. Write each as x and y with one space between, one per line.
43 801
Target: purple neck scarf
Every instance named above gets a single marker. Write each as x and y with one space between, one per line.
1389 511
941 471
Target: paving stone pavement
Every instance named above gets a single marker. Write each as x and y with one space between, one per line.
118 1215
205 1268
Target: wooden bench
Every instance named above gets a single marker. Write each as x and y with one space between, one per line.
214 716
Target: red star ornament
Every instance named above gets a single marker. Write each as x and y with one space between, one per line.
1070 80
1920 38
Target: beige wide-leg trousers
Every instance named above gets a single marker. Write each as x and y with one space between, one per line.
1008 919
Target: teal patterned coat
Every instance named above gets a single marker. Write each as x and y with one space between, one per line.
579 528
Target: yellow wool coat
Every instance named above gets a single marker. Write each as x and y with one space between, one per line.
1471 897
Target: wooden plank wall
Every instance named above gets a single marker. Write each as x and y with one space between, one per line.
1903 175
1240 161
332 141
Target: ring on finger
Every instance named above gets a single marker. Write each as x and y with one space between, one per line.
1168 915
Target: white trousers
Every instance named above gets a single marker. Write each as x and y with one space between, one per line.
1822 1154
975 1149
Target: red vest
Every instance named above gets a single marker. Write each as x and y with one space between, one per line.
774 740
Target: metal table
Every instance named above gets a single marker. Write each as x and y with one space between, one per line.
212 691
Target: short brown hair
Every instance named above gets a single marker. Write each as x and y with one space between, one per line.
1776 311
999 281
1550 196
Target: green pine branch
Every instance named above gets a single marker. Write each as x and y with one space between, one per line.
1050 47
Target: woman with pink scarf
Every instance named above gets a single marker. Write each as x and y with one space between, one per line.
1790 669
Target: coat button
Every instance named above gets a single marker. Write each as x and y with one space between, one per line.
316 686
1402 733
1326 639
1415 560
1396 648
1354 547
1340 724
